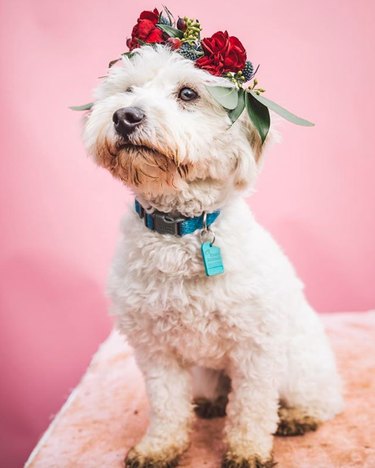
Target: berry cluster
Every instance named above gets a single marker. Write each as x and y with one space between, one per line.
241 76
191 29
248 71
190 51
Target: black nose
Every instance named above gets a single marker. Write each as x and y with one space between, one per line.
127 119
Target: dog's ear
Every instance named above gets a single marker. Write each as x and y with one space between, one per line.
251 158
250 161
245 170
249 155
253 138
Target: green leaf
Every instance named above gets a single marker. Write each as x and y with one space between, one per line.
125 54
84 107
227 97
172 32
281 111
128 54
235 113
112 62
259 115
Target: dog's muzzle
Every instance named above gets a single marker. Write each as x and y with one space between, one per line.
127 119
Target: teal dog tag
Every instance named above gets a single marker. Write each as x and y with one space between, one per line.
213 263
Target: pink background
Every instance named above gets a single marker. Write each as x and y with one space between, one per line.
60 214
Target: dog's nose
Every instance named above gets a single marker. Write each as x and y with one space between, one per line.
127 119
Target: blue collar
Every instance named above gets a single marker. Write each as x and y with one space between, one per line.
165 223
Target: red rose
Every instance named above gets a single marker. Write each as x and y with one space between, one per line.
150 15
145 30
222 54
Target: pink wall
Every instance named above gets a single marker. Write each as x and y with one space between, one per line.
60 214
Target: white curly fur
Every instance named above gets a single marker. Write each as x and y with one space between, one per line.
252 322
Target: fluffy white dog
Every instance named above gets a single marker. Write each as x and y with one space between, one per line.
248 332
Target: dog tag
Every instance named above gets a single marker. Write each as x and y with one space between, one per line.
213 263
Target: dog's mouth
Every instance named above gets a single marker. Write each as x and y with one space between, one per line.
141 163
138 148
143 149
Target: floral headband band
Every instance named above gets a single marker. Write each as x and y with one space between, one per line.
220 55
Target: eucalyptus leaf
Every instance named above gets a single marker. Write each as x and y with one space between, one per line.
281 111
128 54
112 62
172 32
235 113
225 96
259 115
84 107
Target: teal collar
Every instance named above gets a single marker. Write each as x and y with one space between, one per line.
165 223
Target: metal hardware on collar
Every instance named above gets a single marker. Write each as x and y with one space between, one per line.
204 221
165 223
206 235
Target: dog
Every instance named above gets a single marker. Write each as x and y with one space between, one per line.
244 343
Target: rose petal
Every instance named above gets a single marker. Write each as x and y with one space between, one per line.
150 15
144 29
155 36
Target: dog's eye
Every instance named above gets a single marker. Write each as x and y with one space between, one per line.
129 89
187 94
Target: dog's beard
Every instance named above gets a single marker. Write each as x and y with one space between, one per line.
140 164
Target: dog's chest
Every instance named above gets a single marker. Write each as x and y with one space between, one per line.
195 334
162 293
186 316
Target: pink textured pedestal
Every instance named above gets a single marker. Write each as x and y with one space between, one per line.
107 413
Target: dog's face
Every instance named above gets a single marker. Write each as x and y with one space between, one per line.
155 126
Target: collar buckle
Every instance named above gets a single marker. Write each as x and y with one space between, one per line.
165 224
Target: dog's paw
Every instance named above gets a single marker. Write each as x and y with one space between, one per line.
296 427
295 423
209 409
231 461
149 463
135 460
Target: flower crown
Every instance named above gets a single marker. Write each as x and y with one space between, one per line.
220 55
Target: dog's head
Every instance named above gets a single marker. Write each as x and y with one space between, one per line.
155 126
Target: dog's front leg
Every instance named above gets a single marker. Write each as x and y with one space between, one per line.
168 387
252 410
